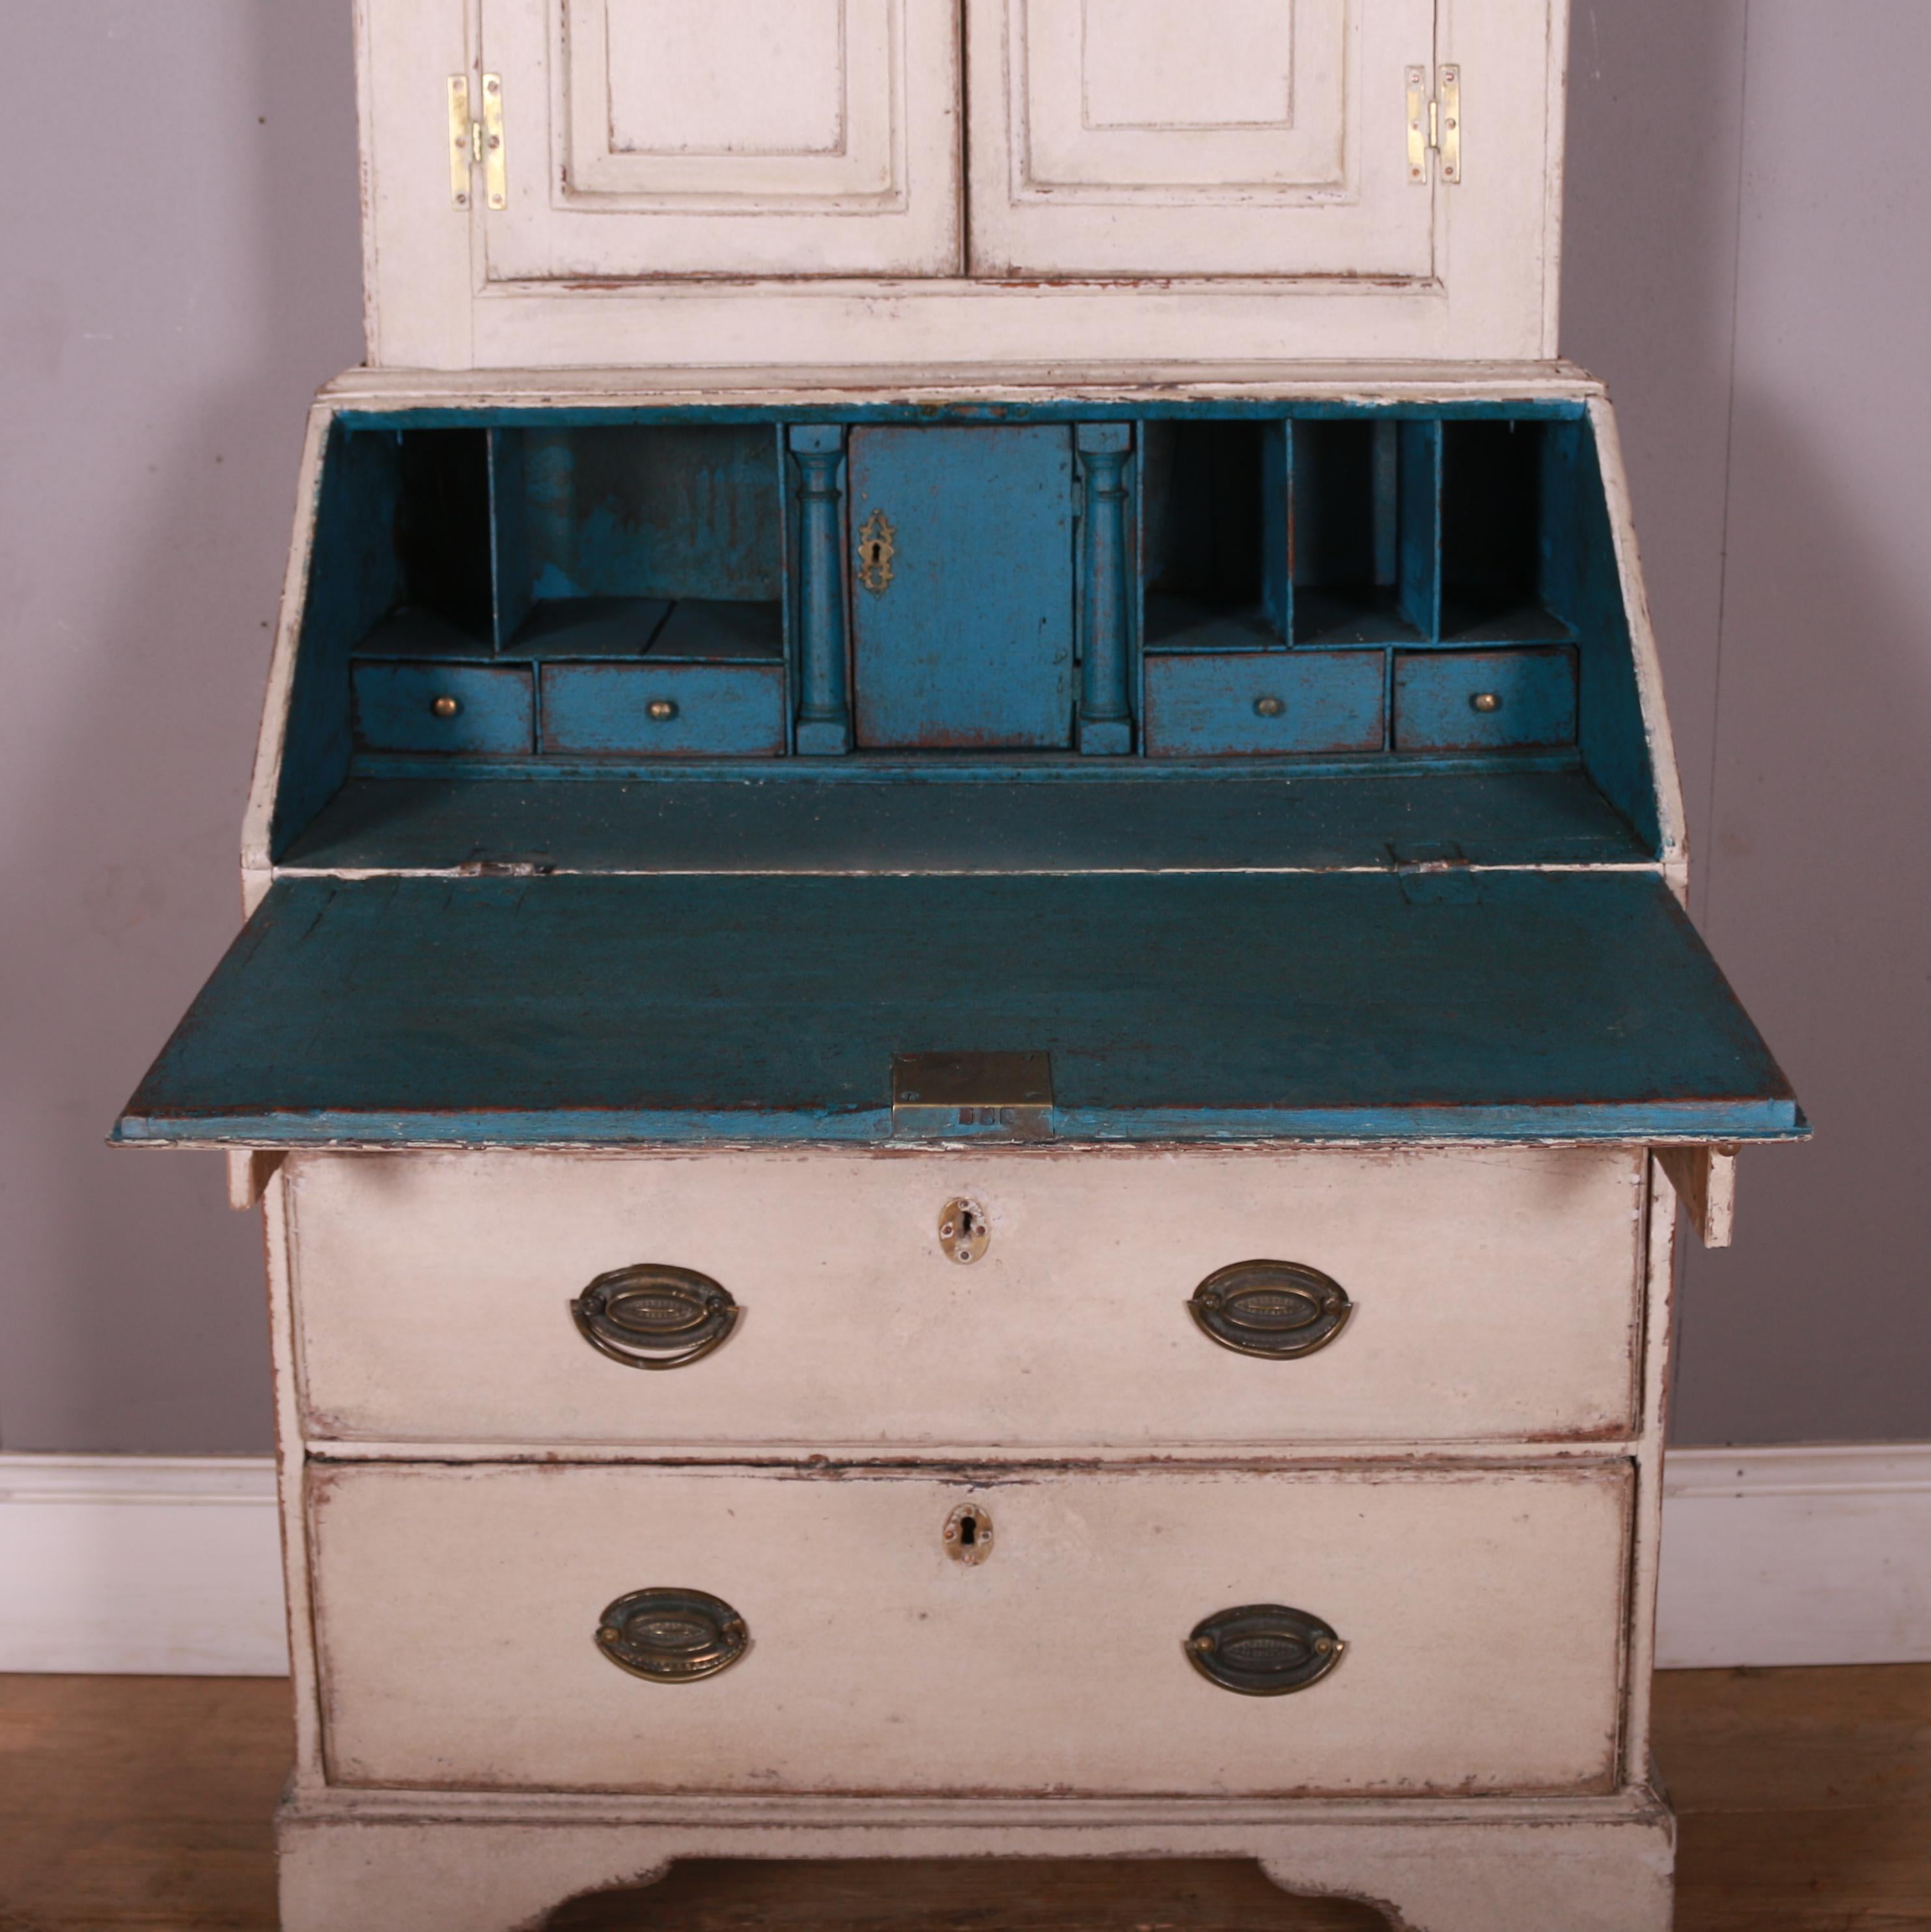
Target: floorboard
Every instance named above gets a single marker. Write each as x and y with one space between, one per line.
144 1802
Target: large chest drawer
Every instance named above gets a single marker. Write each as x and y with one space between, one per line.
1488 1294
458 1613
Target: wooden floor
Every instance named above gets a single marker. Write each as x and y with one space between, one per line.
1805 1797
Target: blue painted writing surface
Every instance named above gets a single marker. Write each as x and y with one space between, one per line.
440 1012
444 707
1484 700
962 608
1225 704
665 710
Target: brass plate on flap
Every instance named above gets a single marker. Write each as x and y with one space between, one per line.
1006 1096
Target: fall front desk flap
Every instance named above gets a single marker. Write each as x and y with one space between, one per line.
585 1009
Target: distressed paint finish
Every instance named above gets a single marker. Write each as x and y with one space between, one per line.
1527 699
606 257
1501 1309
585 1009
1495 1668
1438 925
1248 704
969 644
717 710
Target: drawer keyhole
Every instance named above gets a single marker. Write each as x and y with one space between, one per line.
963 1231
968 1534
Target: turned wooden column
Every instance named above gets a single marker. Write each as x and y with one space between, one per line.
1106 711
824 706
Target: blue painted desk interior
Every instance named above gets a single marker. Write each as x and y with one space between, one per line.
1257 761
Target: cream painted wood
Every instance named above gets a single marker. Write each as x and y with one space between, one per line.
1496 1293
656 216
479 1865
1229 137
1705 1180
455 1610
647 138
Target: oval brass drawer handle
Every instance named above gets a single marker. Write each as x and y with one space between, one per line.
1263 1650
653 1317
1280 1309
672 1637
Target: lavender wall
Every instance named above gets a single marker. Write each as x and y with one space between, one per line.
1749 262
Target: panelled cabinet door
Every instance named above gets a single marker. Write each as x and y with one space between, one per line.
1222 137
650 138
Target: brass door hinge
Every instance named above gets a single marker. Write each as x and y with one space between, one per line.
1434 124
477 140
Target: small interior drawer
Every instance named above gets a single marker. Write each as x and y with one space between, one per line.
428 706
1207 705
461 1615
1484 700
666 710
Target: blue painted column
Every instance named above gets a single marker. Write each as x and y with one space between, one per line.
1106 714
824 707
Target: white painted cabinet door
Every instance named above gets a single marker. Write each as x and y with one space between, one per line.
1222 137
649 138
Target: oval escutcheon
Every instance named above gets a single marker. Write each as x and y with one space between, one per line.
653 1317
672 1636
1280 1309
1263 1650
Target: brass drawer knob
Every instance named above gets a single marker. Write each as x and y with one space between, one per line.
661 709
1280 1309
653 1317
672 1637
1263 1650
1269 707
1485 701
445 706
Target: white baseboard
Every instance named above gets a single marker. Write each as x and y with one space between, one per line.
141 1565
173 1564
1808 1555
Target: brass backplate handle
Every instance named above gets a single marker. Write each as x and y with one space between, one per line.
672 1636
1279 1309
653 1317
1263 1650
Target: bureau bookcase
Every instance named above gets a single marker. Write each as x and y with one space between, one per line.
973 1068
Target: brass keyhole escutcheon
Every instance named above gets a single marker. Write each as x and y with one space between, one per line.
967 1536
444 707
877 545
964 1232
